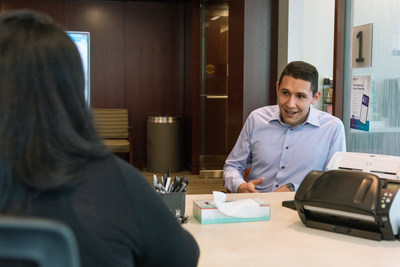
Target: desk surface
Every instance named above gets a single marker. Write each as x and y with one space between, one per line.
283 241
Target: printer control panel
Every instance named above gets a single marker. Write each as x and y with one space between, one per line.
388 215
386 200
388 193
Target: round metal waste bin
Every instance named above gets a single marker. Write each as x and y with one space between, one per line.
164 144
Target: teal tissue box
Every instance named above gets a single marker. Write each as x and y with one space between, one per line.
207 213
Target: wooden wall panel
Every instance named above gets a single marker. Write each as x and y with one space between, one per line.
54 9
273 52
338 57
105 22
192 81
235 79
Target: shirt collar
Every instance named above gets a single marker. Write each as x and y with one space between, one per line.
276 114
312 117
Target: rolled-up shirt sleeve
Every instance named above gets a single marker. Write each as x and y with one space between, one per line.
338 142
238 160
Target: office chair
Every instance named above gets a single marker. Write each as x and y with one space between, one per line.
36 242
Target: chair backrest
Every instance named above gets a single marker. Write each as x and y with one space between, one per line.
45 242
111 123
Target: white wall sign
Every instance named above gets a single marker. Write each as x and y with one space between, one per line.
360 99
362 46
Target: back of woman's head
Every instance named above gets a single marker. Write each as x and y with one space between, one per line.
39 65
46 132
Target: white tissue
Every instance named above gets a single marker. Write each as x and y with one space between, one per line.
242 208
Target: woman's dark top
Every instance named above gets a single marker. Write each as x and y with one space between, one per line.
118 219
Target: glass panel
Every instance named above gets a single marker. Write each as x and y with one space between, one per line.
214 98
383 112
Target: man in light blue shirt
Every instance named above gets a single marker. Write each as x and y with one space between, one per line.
283 143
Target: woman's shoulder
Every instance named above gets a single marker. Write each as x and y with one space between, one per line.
111 170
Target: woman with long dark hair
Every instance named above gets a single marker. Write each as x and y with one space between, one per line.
53 164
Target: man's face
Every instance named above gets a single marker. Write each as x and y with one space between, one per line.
294 99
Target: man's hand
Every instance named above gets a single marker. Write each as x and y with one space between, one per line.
250 187
283 188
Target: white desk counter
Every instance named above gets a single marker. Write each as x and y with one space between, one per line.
283 241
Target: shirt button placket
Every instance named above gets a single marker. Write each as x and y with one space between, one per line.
280 175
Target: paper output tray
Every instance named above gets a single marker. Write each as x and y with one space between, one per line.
342 222
344 230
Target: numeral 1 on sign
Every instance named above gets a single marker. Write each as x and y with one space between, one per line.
360 44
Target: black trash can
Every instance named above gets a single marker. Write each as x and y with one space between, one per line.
164 144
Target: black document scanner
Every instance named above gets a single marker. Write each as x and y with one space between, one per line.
350 202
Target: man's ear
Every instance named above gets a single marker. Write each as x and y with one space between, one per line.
316 97
277 87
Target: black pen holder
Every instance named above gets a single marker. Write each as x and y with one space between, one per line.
174 201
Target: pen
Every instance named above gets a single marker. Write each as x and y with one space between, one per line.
182 188
167 184
170 189
177 184
162 188
164 180
154 180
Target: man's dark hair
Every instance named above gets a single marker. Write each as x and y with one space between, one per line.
303 71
